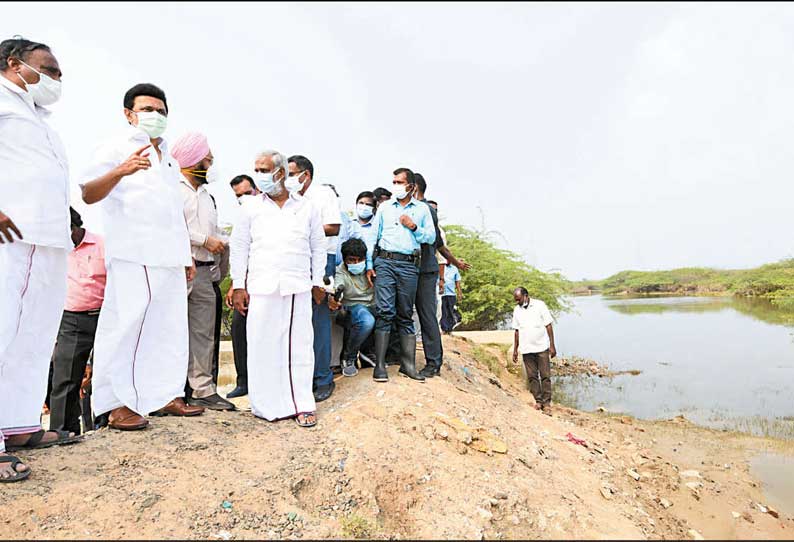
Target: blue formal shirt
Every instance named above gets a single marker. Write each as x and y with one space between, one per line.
451 276
392 236
365 232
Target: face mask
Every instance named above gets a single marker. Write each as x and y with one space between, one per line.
364 211
204 176
46 92
356 268
152 122
293 183
401 191
265 183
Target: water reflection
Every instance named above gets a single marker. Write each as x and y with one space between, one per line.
723 362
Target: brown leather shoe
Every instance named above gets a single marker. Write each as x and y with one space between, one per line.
124 419
177 407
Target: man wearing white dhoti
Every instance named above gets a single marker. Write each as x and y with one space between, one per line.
278 261
141 345
34 192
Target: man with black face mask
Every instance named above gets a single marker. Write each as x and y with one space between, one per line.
195 160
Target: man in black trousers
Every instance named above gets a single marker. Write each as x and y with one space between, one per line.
84 296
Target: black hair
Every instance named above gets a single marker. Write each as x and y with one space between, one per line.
431 202
421 183
380 192
76 219
366 194
144 89
18 47
408 174
523 290
240 178
354 247
303 163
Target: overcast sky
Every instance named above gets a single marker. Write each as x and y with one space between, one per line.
594 137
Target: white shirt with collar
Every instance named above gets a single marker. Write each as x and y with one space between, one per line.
326 200
144 213
34 173
531 322
201 217
277 249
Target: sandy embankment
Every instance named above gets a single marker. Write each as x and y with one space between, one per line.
400 460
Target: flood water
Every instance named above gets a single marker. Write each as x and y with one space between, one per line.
722 362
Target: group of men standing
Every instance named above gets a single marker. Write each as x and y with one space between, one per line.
145 298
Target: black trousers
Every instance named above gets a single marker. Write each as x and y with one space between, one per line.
240 347
218 319
448 312
72 349
426 306
538 366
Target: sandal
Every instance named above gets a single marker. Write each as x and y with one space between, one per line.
14 462
35 440
304 416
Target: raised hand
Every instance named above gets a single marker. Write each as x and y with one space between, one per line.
136 162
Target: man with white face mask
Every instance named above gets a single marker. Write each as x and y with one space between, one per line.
34 239
192 151
301 181
141 345
277 266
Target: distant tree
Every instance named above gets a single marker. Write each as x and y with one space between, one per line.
488 286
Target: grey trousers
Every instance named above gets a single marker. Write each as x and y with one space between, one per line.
426 305
538 368
201 307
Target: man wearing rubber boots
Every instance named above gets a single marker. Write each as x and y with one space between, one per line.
402 225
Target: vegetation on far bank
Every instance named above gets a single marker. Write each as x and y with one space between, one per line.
774 281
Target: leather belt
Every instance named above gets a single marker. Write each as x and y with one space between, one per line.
396 256
204 264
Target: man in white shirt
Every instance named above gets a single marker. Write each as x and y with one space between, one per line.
34 208
193 153
300 181
141 345
534 338
278 257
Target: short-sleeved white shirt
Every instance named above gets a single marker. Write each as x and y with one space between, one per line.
531 324
324 198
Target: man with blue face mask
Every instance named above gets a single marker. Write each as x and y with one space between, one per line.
34 242
358 299
141 347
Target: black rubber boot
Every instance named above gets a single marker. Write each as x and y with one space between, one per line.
380 374
408 365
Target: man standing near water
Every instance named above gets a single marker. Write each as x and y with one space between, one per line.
534 338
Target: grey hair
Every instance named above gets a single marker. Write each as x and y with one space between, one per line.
279 159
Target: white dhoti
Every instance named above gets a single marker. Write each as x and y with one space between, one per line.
280 355
141 345
32 295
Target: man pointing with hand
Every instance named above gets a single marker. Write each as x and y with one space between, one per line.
141 345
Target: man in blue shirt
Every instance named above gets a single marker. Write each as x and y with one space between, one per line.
452 292
401 225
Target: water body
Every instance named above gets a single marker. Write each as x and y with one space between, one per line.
722 362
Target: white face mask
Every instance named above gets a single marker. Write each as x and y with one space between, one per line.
293 183
212 174
401 191
266 183
46 92
364 211
152 122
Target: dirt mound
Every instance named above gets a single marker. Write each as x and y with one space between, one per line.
462 456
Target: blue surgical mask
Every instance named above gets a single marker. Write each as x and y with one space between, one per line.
356 268
364 211
265 183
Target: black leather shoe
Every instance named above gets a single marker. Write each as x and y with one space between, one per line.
430 370
380 374
408 365
239 391
324 392
213 402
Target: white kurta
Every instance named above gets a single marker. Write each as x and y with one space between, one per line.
141 345
34 193
278 254
32 295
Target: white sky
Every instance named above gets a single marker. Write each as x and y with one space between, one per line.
594 137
